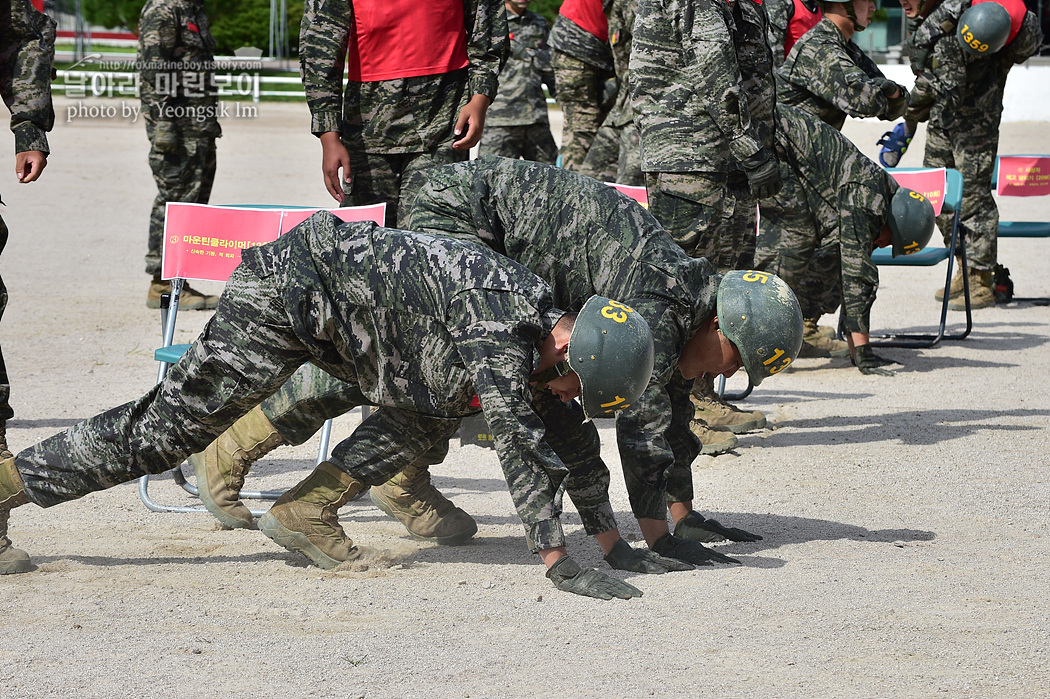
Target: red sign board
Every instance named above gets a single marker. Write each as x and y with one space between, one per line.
929 183
1024 175
634 192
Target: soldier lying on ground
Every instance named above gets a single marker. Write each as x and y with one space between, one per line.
417 324
583 238
833 193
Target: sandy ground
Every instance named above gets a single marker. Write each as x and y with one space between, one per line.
905 518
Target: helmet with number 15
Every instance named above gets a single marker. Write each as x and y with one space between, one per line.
758 312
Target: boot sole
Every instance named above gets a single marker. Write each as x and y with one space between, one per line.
224 517
16 566
295 541
452 540
738 428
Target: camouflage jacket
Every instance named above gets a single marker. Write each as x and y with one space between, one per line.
848 196
589 239
401 115
520 100
27 53
177 67
962 86
420 323
831 78
571 39
755 60
686 87
621 26
779 16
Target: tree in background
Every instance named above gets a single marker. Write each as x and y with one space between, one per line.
547 8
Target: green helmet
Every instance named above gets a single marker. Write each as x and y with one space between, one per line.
611 349
983 29
759 314
851 12
911 221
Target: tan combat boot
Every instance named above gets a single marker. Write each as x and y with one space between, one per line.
222 466
410 498
982 292
715 412
306 518
956 286
713 441
12 495
820 341
189 300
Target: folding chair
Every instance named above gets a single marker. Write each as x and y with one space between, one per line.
1023 176
946 189
204 243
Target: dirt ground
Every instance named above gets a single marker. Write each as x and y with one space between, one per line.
905 518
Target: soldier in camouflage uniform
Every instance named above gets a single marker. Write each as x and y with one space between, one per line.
590 240
698 69
417 324
397 117
517 124
583 64
832 192
616 142
962 96
381 132
787 22
180 107
27 51
828 76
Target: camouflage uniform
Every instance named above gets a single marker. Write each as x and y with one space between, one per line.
829 77
688 65
615 147
415 323
27 50
585 225
393 129
516 125
779 15
175 33
832 194
582 64
963 129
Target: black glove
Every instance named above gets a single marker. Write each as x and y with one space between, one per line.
623 557
763 173
567 575
694 526
670 546
870 363
886 86
736 184
166 137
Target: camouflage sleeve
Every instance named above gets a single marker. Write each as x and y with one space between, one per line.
834 76
756 68
324 37
487 46
858 228
498 355
26 57
1026 43
158 38
778 14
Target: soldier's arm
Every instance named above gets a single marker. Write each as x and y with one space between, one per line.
835 76
26 59
324 36
1027 41
158 39
777 16
487 49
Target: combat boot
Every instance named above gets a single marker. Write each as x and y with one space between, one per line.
982 292
306 518
12 495
820 342
5 452
713 441
956 286
709 407
222 466
189 300
411 498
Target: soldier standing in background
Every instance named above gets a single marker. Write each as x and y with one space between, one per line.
180 106
27 52
517 125
582 64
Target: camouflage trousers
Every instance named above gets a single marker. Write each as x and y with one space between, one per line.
245 353
704 217
312 396
527 141
6 413
580 91
790 247
969 145
615 155
393 178
183 176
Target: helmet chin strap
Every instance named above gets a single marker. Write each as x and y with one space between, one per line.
547 375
